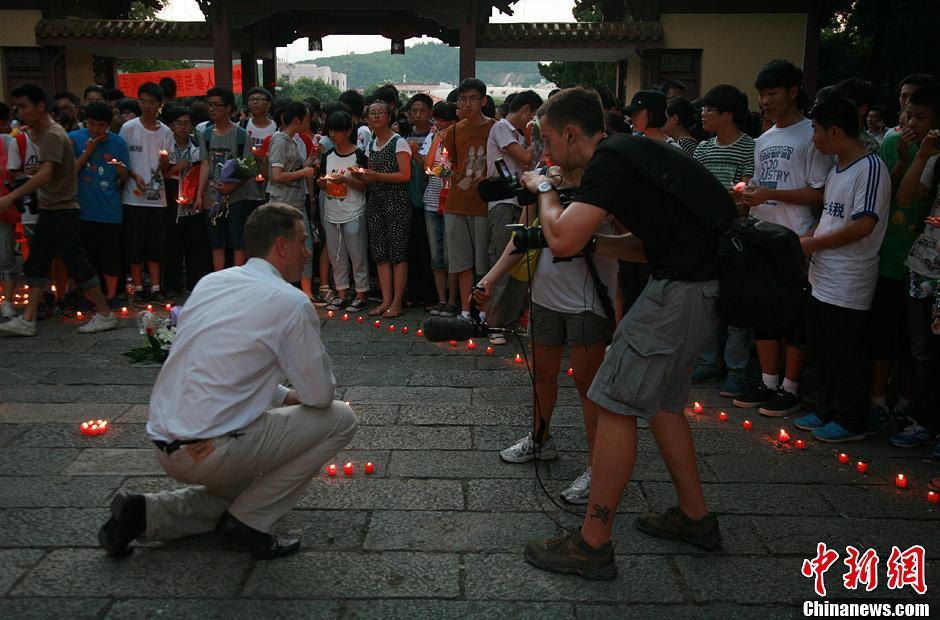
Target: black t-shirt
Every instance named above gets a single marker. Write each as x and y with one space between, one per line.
676 244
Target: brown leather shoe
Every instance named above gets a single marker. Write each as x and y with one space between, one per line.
674 525
571 555
128 521
262 545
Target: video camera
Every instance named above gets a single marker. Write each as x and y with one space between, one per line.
506 185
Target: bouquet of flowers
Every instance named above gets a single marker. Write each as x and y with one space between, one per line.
160 334
233 171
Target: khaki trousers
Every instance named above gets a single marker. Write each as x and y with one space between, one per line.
257 473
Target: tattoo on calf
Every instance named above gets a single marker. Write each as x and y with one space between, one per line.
602 513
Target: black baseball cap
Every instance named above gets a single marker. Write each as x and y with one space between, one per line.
647 99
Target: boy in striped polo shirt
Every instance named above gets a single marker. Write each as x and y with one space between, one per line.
843 271
729 155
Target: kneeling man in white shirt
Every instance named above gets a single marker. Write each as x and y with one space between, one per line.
219 416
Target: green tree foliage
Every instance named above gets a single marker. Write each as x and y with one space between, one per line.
148 12
878 40
594 73
424 63
306 87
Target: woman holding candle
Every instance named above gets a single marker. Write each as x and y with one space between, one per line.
388 208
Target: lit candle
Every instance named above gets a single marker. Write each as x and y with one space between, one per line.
331 469
370 468
518 359
900 481
404 330
79 314
360 320
489 350
843 457
783 435
150 307
471 345
168 307
163 153
723 416
932 497
747 425
739 186
697 407
377 322
862 467
348 469
452 343
419 333
345 317
329 313
571 372
391 328
259 178
123 309
800 444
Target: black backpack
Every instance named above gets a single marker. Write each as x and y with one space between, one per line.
762 271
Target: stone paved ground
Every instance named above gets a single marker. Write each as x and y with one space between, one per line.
438 531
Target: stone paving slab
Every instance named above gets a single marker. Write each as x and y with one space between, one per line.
50 527
14 563
44 413
229 608
44 608
57 491
379 493
30 462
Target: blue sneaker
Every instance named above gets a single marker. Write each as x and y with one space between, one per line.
704 374
877 419
732 386
836 433
935 454
911 437
809 422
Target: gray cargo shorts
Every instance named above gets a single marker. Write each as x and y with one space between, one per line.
648 367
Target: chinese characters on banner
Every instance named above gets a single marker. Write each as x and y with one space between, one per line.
904 568
189 82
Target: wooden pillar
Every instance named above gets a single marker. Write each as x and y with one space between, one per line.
468 45
221 46
269 71
621 90
811 51
249 70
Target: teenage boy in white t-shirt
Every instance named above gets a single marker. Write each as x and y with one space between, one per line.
258 127
843 272
789 174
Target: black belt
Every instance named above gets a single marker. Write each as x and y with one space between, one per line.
176 444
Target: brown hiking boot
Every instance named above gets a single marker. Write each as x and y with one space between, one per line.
571 555
675 525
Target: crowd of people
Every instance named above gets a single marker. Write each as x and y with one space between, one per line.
155 192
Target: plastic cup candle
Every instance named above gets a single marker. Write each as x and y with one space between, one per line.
518 359
93 427
345 317
163 153
862 467
800 444
404 330
391 328
149 307
123 309
259 178
747 425
697 407
377 323
739 186
331 469
900 481
932 497
783 435
168 307
348 469
723 416
79 314
471 345
452 343
843 457
571 372
360 320
370 468
419 333
329 313
489 350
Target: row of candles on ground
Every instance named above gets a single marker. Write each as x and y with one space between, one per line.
348 469
783 436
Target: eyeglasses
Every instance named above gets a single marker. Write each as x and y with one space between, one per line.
473 99
377 113
146 101
258 100
216 104
708 109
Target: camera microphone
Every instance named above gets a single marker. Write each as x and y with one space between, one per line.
442 329
493 189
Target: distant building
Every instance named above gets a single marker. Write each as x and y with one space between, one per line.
292 71
433 89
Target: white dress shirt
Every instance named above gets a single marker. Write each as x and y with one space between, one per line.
242 331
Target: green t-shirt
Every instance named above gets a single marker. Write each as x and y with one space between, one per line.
905 222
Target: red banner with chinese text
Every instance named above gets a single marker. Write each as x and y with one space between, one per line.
189 82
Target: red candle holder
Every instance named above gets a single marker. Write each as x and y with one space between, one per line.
377 323
79 314
697 407
345 317
900 481
360 320
259 178
783 436
123 309
329 314
348 469
471 345
331 469
404 330
747 425
489 350
168 307
518 359
799 443
932 497
149 307
723 416
391 328
93 427
370 468
843 457
419 333
571 372
452 343
862 467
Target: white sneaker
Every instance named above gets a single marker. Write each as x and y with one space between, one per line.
580 489
7 311
99 323
524 451
18 326
497 339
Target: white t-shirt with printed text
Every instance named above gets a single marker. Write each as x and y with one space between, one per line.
144 146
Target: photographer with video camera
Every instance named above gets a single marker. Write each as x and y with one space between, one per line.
570 304
646 373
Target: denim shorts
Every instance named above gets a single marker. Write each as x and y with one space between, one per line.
435 226
230 230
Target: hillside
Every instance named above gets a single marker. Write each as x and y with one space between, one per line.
425 62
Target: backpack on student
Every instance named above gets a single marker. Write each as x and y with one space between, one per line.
762 270
416 184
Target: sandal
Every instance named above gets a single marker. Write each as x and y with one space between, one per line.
391 314
378 311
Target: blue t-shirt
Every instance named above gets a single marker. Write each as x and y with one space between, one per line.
99 193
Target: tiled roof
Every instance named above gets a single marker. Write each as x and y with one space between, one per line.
77 28
562 32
